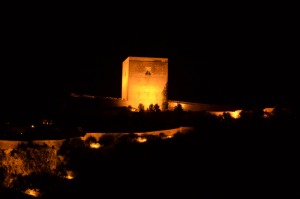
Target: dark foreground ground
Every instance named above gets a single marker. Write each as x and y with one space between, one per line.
249 157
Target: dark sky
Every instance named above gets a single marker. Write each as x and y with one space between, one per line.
237 59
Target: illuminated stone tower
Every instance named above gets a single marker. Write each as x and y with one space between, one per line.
145 81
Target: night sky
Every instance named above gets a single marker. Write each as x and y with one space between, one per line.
232 60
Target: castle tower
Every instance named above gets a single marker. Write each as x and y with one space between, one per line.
145 81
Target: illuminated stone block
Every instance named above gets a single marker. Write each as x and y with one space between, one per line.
145 81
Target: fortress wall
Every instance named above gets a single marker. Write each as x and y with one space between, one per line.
11 144
191 106
167 132
117 102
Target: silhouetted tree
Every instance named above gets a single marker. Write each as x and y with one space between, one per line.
73 151
89 140
165 106
129 107
178 108
227 117
151 108
107 140
157 108
141 108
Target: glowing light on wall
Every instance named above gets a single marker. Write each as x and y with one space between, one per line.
95 145
70 175
268 111
217 113
33 192
167 137
141 139
46 122
235 114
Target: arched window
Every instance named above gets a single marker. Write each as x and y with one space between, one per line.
148 71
